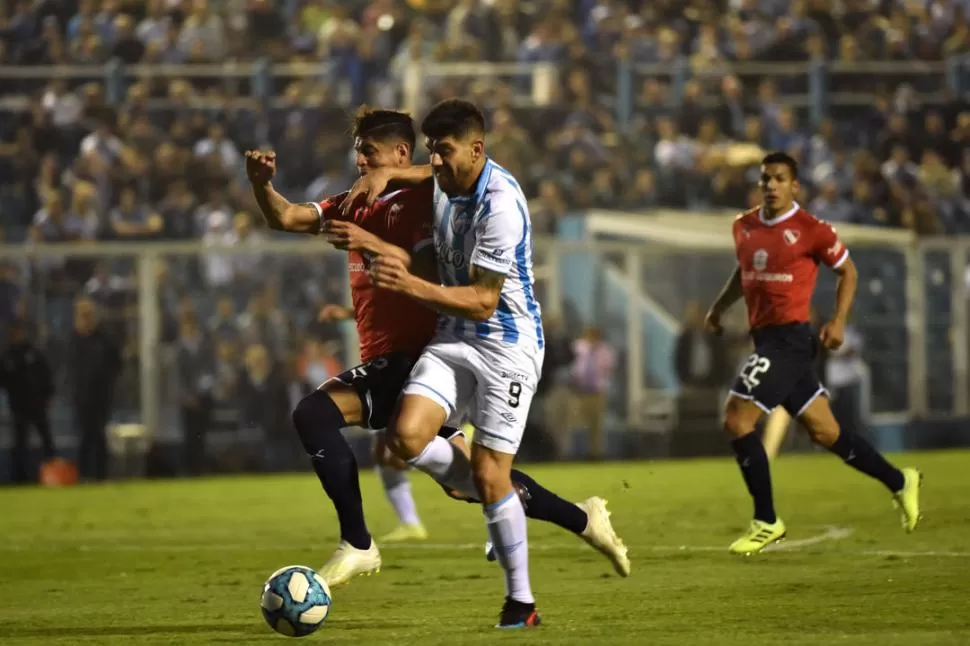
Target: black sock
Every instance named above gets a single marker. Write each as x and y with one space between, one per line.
542 504
751 457
860 455
318 421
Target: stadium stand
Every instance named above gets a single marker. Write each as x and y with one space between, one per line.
126 120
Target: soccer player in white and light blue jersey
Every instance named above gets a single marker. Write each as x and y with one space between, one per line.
486 357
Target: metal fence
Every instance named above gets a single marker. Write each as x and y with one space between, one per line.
816 86
912 311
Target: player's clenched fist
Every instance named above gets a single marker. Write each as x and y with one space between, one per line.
260 166
390 273
832 334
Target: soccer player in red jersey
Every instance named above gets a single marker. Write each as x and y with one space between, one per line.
393 331
779 247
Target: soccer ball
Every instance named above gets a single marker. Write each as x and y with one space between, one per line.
295 601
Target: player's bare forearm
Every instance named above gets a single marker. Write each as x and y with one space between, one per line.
281 214
730 294
475 302
848 280
410 176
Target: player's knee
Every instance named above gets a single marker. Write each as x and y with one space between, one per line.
407 437
737 423
823 433
316 414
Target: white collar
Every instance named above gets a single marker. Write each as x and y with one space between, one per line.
781 218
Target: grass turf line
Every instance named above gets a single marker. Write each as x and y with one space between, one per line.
182 562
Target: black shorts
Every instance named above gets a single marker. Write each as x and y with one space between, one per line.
780 371
378 383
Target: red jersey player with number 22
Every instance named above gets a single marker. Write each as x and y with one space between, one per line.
779 247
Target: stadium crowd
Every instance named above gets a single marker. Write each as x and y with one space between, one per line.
165 160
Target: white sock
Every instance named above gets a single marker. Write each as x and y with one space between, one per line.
445 463
398 490
506 526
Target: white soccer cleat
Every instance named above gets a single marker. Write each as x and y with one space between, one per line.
600 535
348 562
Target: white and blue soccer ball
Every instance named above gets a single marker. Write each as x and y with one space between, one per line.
296 601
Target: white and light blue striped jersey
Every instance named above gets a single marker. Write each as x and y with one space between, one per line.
492 230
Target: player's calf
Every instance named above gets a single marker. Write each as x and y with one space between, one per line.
393 473
505 517
818 421
740 417
318 419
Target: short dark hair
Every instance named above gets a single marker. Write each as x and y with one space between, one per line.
782 158
453 118
383 125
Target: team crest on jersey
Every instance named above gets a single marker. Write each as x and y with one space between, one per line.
760 260
790 236
394 213
461 221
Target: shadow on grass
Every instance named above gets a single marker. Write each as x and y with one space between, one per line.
225 630
12 630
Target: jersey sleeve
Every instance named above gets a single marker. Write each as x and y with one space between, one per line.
498 231
329 207
827 247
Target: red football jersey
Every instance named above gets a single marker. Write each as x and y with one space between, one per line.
779 263
388 321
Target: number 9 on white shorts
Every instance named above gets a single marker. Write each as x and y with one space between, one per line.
492 389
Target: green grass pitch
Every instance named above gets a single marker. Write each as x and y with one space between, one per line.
182 562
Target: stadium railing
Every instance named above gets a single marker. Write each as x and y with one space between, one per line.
816 86
632 277
911 306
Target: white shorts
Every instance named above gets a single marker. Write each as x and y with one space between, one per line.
490 387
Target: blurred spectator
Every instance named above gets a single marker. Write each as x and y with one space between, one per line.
700 358
26 376
264 322
316 364
265 406
552 394
831 206
133 219
128 48
844 374
590 375
95 364
197 381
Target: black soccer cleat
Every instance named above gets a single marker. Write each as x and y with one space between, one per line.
516 614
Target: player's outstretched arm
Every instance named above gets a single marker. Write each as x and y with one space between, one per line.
280 214
728 297
476 302
369 187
